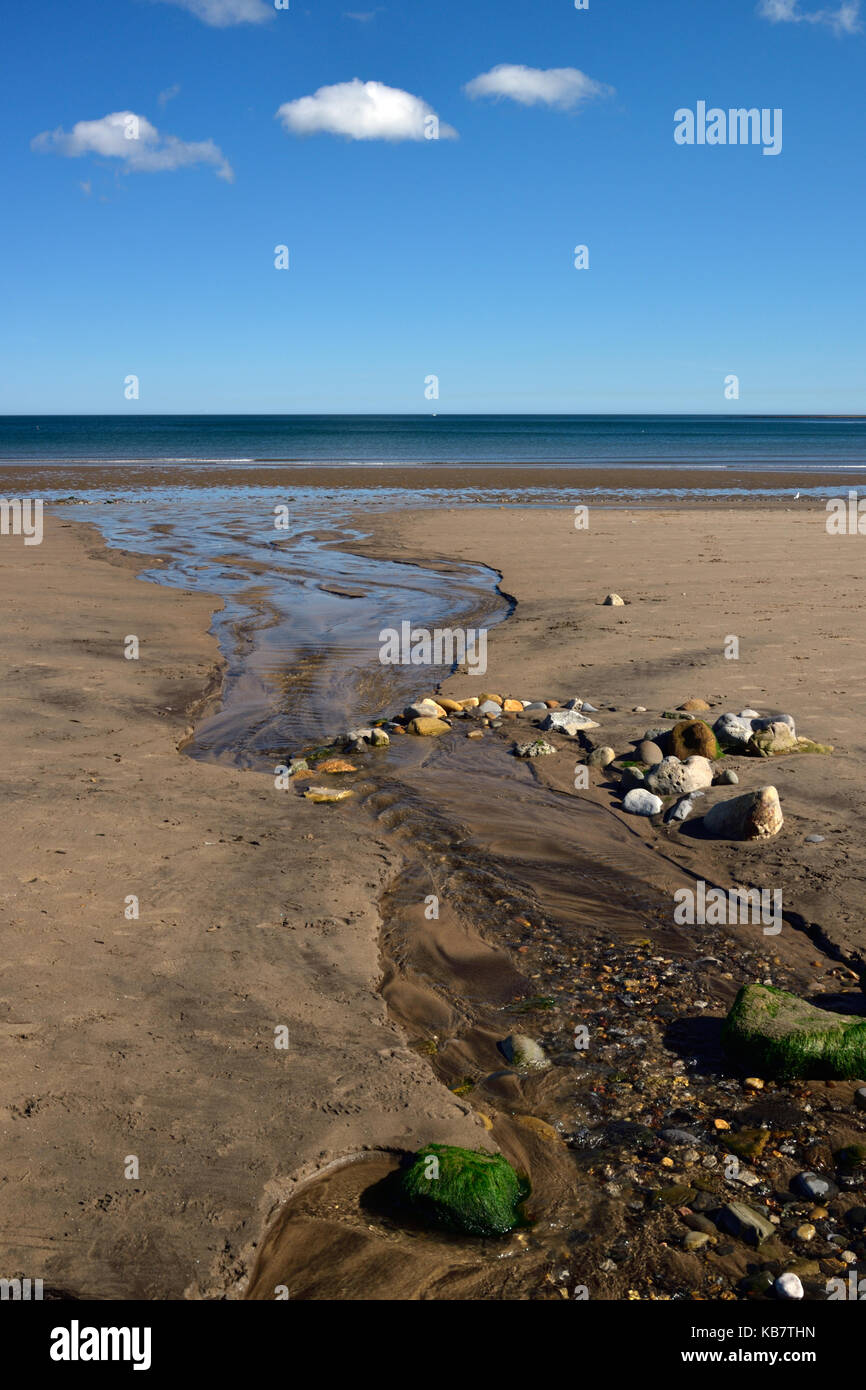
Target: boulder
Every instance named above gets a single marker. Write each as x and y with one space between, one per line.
779 1035
752 816
693 736
465 1190
673 778
733 730
639 802
568 721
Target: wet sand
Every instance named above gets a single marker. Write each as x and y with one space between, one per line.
544 891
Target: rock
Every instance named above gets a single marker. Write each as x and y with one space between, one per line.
743 1222
568 721
776 737
601 757
693 706
614 601
490 709
486 695
512 706
586 705
753 816
424 709
336 765
728 778
860 1097
806 1232
537 748
696 1240
641 803
326 794
672 777
788 1286
471 702
376 737
814 1186
428 727
784 1037
450 706
733 731
576 703
524 1053
649 752
631 777
535 707
464 1190
815 839
754 1083
298 765
681 811
693 736
680 1136
768 721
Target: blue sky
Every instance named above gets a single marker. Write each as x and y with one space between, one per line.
411 257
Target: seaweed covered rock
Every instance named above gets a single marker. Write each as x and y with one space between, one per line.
464 1190
776 1034
693 736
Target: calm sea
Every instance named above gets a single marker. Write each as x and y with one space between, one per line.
768 442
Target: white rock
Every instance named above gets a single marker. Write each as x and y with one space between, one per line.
568 721
673 778
641 803
614 601
788 1286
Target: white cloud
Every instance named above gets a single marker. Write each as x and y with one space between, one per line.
222 13
844 20
364 111
169 94
136 142
562 87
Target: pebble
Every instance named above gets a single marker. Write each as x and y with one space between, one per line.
490 707
815 839
814 1186
729 778
806 1231
601 757
641 803
788 1286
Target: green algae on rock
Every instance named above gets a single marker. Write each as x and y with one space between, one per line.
464 1190
694 736
785 1037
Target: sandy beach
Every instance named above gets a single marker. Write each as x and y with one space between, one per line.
150 1040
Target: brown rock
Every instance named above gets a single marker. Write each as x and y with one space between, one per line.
693 736
428 728
513 706
497 699
693 706
450 706
336 765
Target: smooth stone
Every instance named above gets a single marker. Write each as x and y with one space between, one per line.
649 752
681 811
693 706
729 778
428 727
696 1240
732 730
673 778
490 708
747 1225
815 839
535 706
592 709
641 803
568 721
680 1136
806 1232
788 1286
524 1052
424 709
753 816
601 757
814 1186
512 706
614 601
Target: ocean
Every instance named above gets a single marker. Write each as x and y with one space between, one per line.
687 441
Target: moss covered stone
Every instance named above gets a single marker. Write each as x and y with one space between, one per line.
693 736
776 1034
464 1190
